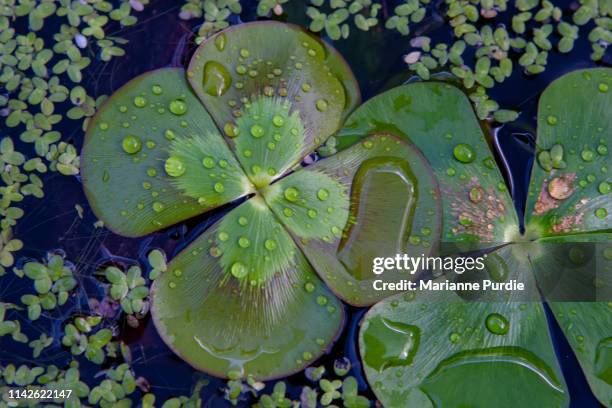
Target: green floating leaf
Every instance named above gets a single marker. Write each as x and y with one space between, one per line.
275 90
375 199
153 157
242 300
340 68
587 328
583 266
573 267
431 349
574 125
439 120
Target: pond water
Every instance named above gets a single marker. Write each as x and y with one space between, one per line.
161 39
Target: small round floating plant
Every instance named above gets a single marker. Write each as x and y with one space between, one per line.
260 292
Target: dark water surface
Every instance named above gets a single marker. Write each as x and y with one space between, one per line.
161 39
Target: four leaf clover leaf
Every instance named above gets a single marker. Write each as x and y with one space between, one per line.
246 297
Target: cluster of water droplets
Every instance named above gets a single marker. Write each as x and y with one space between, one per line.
477 211
571 171
241 70
137 145
392 343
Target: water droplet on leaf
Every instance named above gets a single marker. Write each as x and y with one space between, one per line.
257 131
323 194
497 324
178 107
231 130
244 242
140 102
390 344
238 270
321 105
219 187
476 194
270 244
208 162
602 150
587 155
131 144
291 194
217 79
278 120
220 42
560 188
170 135
174 166
464 153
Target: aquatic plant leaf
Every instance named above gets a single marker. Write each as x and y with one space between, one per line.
242 300
432 349
438 118
574 274
275 91
340 68
587 328
573 267
570 183
153 157
375 199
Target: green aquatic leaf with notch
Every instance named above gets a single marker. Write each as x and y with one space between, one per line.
439 120
247 297
449 349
